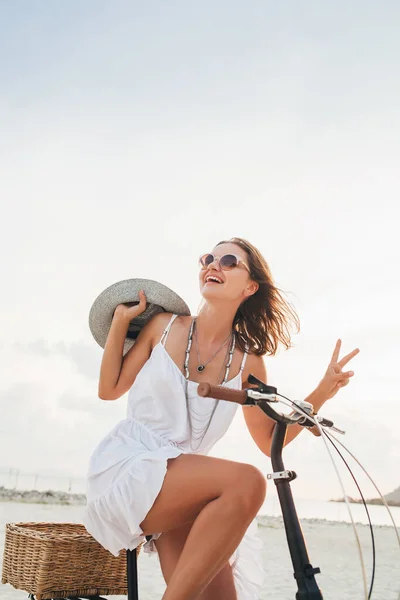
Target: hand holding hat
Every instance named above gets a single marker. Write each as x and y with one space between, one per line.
125 297
131 312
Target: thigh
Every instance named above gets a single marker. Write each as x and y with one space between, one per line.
169 547
191 482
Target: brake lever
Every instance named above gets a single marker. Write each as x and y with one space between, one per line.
261 386
255 396
329 424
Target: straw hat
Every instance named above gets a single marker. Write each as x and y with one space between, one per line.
159 299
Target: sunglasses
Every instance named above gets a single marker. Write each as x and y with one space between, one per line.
227 262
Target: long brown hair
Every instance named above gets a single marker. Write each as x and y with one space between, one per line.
265 319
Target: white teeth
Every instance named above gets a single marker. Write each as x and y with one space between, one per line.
211 278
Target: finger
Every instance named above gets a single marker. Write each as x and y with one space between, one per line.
343 383
314 430
348 374
345 375
336 351
348 357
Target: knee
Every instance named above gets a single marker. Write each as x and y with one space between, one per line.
251 487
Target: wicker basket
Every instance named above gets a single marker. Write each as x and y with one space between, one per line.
55 560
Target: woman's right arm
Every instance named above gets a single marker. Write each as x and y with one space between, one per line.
118 372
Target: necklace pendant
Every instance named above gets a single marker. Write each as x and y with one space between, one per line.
201 368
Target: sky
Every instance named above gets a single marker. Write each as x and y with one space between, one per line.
134 137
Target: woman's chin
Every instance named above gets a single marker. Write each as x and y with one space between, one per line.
211 292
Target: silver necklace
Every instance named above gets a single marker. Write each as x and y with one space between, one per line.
198 433
201 366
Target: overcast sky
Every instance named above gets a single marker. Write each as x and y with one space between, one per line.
134 136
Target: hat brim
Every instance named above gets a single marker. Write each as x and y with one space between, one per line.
159 298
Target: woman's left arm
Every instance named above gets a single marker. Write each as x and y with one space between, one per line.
261 426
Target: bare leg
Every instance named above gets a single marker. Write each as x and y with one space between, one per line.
169 547
211 542
221 498
222 586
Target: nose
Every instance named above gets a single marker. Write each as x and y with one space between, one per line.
215 264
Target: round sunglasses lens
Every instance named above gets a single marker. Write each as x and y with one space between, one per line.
206 260
228 261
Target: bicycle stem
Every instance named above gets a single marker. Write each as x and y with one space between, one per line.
303 570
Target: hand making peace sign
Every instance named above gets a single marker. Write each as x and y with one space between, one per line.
335 378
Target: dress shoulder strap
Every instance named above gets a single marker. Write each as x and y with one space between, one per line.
166 330
245 355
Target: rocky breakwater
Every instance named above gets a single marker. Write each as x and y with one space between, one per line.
38 497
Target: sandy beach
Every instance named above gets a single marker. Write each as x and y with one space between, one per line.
331 547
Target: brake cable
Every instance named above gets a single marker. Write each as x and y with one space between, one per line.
292 404
329 424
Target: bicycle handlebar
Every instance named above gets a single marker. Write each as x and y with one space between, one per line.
207 390
263 398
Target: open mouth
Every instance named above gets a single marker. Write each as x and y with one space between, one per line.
213 279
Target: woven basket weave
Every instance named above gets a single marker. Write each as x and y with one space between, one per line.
55 560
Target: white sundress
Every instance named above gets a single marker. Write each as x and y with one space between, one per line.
127 468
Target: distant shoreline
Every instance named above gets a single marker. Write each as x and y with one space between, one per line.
38 497
70 499
52 497
371 501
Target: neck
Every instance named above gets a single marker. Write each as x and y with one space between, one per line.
214 325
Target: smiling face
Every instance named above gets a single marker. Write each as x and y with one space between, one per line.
218 284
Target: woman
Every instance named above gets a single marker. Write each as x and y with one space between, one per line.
151 474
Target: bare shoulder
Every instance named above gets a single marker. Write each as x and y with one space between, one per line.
156 326
148 337
183 321
255 365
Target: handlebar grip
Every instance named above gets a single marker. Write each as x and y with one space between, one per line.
206 390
